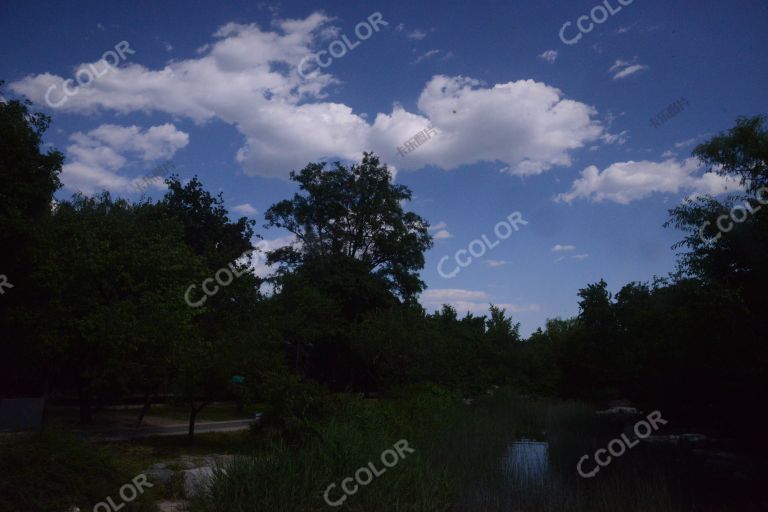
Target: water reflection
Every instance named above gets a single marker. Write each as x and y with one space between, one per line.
526 461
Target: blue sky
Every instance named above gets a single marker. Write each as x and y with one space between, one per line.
524 122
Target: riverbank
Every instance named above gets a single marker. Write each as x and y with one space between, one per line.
423 449
504 452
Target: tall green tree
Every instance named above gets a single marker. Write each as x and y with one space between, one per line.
28 178
227 341
115 275
354 213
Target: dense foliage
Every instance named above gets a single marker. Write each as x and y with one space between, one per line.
98 308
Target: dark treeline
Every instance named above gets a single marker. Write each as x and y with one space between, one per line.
98 309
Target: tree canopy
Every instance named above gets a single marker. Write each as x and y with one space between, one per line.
355 213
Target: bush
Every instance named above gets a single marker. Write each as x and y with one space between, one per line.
293 406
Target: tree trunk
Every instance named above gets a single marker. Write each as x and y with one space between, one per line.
144 410
192 417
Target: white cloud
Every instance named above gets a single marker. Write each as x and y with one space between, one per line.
439 232
630 70
624 182
258 258
620 63
684 143
549 56
468 301
427 55
416 34
495 263
563 248
245 209
580 256
96 157
285 121
625 68
449 294
526 125
437 227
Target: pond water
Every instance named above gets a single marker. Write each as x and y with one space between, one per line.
527 460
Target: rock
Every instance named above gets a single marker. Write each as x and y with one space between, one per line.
197 480
172 506
693 438
220 460
159 475
667 439
620 411
192 462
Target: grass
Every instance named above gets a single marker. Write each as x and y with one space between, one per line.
53 471
456 467
459 463
144 452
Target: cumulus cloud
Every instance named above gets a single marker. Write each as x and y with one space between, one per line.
495 263
247 77
95 157
624 182
563 248
526 125
464 301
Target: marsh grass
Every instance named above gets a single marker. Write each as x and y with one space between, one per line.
458 465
